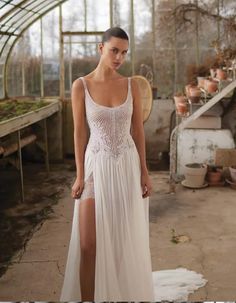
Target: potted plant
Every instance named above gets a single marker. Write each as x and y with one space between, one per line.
195 174
211 86
197 73
187 88
181 103
220 61
194 94
214 174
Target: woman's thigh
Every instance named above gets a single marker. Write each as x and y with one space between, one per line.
87 226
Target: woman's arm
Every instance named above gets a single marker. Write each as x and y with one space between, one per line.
137 132
80 133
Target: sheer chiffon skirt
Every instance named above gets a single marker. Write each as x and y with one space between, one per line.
123 269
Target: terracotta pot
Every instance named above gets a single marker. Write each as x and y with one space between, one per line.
214 176
181 104
200 81
182 108
221 74
232 171
195 174
194 94
187 89
211 86
179 99
194 91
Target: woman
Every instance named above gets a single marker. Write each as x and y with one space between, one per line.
109 256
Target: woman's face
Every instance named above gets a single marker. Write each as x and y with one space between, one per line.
113 52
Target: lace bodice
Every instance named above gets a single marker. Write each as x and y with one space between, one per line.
109 126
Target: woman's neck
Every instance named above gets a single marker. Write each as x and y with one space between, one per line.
104 73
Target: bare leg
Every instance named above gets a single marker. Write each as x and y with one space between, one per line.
87 226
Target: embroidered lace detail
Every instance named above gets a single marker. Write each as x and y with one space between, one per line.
109 126
88 191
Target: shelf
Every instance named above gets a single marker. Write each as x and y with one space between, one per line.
19 122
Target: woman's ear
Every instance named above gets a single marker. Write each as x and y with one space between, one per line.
100 48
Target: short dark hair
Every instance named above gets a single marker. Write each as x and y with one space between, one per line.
114 32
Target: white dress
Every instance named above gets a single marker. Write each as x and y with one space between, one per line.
123 270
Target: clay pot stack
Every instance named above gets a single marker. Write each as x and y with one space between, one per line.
181 105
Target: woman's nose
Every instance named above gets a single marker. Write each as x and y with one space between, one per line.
118 56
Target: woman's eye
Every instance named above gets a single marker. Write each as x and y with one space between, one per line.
115 51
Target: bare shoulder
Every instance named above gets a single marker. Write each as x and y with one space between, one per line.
77 84
77 88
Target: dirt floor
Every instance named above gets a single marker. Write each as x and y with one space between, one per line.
19 221
34 236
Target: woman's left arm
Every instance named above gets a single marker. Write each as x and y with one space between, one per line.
137 132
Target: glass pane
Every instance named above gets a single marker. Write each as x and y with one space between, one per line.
14 79
35 5
1 87
3 10
83 59
143 18
15 2
143 38
83 38
33 61
165 72
24 65
98 15
51 66
121 14
73 19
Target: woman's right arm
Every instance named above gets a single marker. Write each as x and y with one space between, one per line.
80 134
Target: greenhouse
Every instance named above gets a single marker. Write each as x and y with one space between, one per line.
182 57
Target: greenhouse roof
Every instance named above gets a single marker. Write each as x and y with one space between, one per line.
16 16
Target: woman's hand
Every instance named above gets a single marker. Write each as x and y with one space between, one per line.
146 184
77 188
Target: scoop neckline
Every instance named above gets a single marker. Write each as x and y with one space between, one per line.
104 106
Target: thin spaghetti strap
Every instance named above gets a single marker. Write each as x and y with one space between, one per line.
84 83
129 85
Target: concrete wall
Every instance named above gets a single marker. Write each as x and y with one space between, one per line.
157 128
199 145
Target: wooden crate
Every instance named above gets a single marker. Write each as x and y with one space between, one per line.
225 157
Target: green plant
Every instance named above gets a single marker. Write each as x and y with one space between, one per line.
13 108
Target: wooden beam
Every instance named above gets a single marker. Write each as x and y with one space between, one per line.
84 33
10 149
8 34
